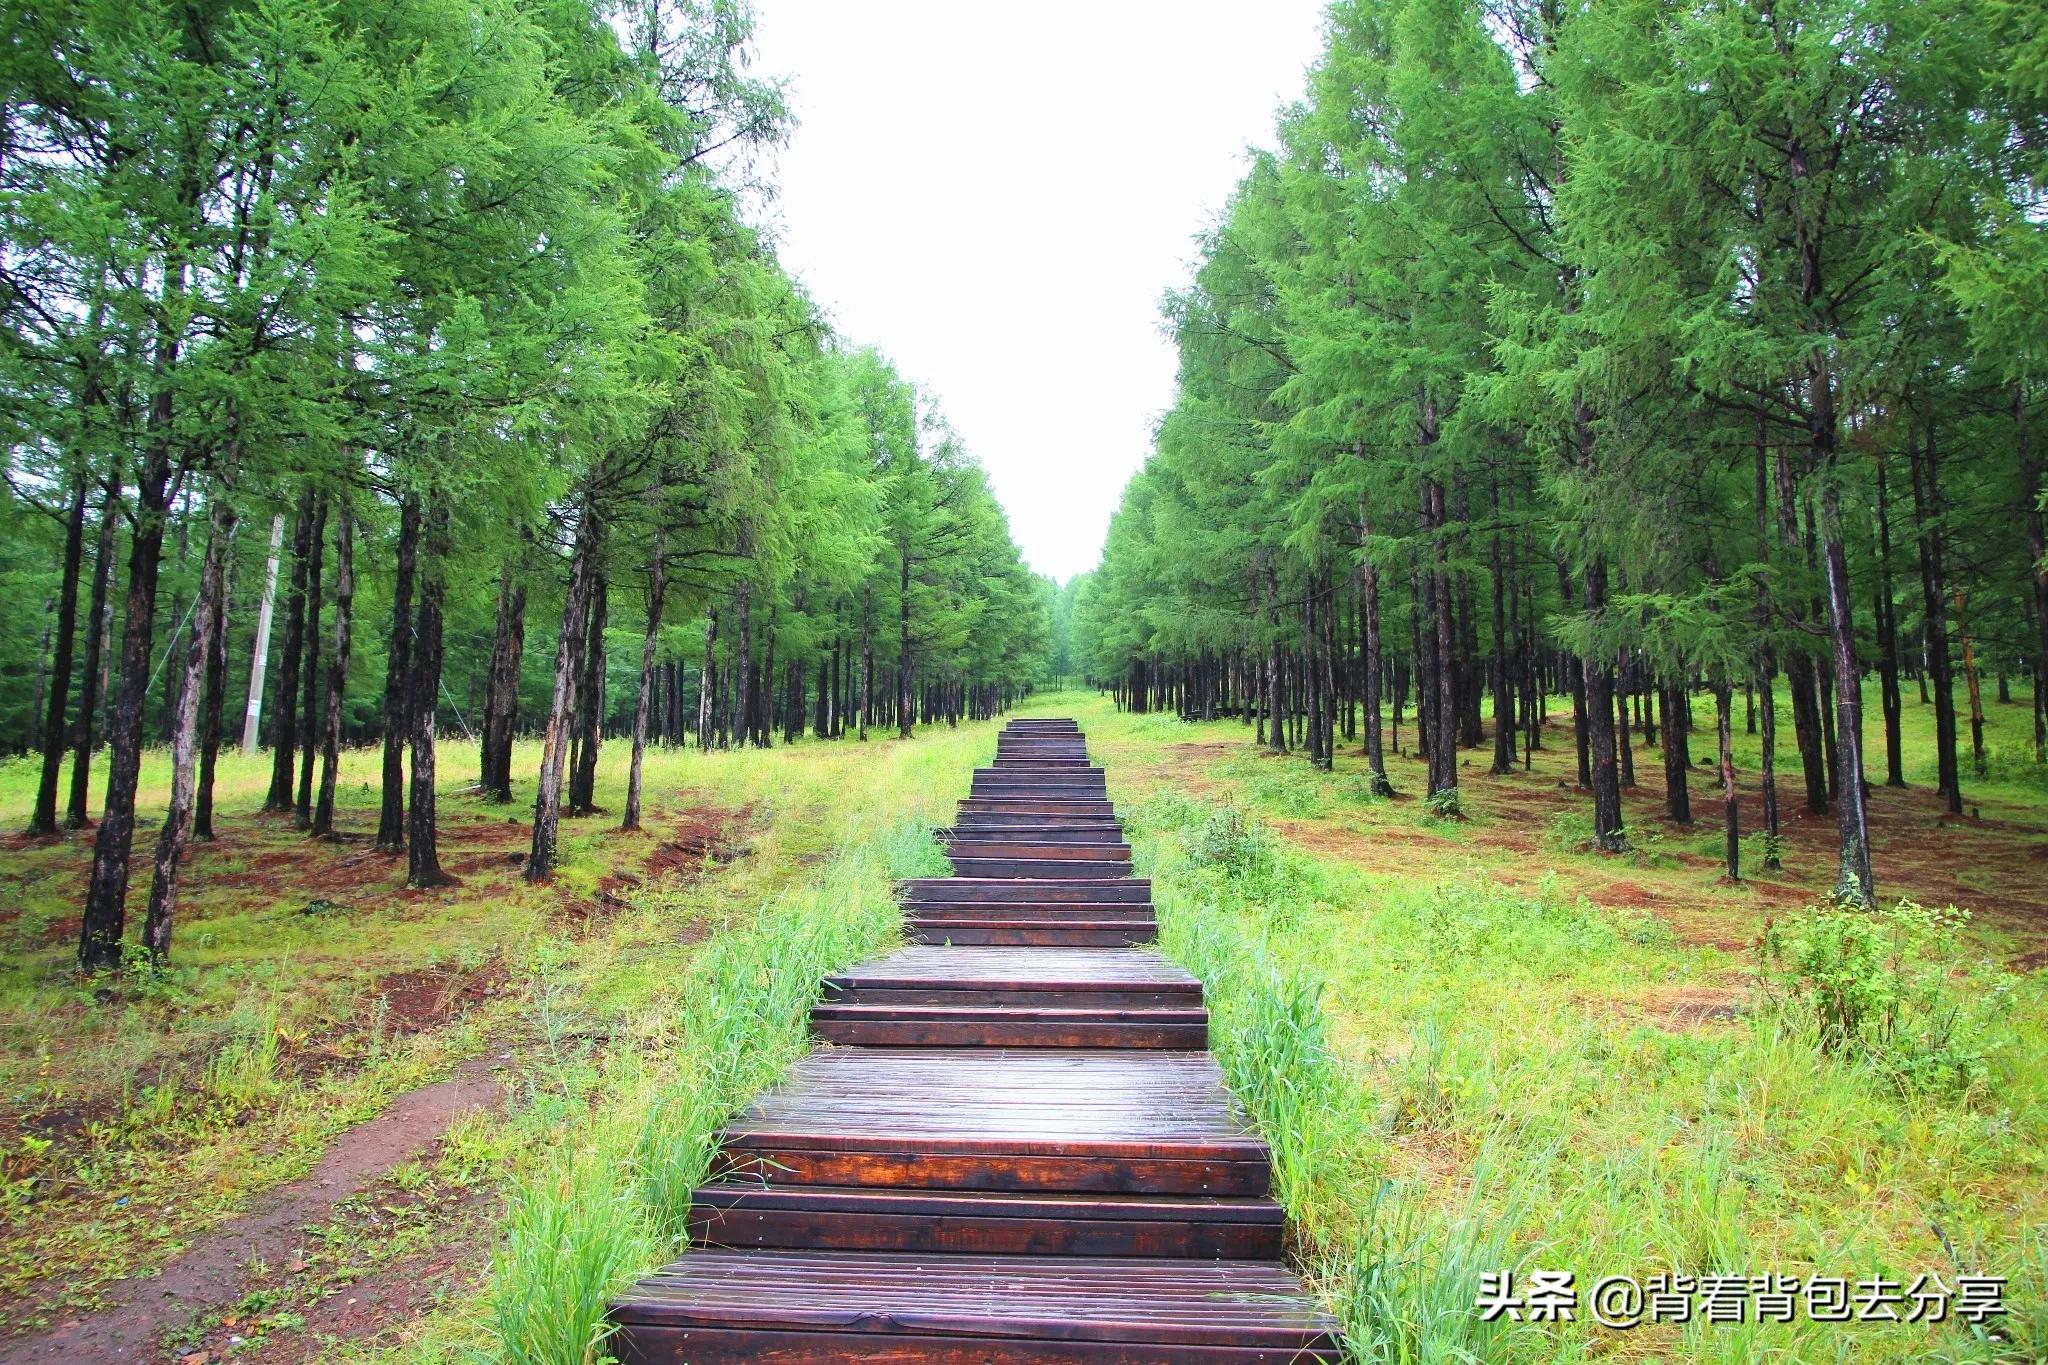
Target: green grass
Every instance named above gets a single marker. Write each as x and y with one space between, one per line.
1462 1072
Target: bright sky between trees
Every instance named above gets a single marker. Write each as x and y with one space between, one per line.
997 197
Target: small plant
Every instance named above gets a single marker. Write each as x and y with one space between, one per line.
1443 805
1890 985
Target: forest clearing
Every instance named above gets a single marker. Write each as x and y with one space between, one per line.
1379 694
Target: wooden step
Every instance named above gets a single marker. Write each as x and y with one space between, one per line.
716 1307
984 890
737 1214
1007 1119
1025 805
1037 867
1010 1025
1038 852
977 831
1067 934
1029 977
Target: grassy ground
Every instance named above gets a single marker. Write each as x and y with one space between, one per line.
311 989
1479 1047
1474 1045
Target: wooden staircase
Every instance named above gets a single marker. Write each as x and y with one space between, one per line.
1014 1146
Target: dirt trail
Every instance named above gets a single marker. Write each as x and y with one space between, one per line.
210 1273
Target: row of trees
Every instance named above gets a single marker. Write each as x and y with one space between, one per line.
1612 350
346 340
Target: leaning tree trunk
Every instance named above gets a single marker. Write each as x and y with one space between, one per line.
97 627
284 717
423 859
309 671
1852 819
656 585
44 818
554 746
337 675
106 897
397 677
259 653
177 830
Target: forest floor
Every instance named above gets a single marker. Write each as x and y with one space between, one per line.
306 1140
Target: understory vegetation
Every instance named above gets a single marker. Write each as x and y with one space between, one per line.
1462 1072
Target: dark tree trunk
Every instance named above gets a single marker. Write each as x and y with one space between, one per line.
98 625
1888 635
212 717
284 716
2037 559
1934 616
1852 819
1731 808
337 672
43 820
1608 832
397 677
904 719
1624 749
741 708
1443 712
590 699
554 750
1369 593
177 829
309 671
1801 679
501 692
865 708
106 897
423 859
1677 757
707 701
1767 710
1503 697
657 587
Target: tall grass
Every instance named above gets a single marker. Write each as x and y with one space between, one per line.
611 1201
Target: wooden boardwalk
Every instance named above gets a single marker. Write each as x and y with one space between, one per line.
1014 1147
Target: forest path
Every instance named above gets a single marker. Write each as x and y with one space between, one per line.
1014 1145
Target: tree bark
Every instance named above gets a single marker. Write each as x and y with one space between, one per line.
1929 534
1852 820
284 717
259 654
547 804
590 699
657 586
177 829
2031 493
1369 590
501 692
397 675
1731 808
1888 635
309 670
43 820
1677 757
337 674
106 898
98 626
905 721
705 699
422 851
212 719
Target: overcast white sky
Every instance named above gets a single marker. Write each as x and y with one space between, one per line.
997 196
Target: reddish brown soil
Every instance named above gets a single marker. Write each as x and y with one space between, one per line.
429 997
211 1273
703 839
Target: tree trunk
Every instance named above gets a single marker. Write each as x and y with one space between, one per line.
904 719
212 719
2031 494
1731 809
1767 710
98 626
1677 758
742 665
177 830
106 897
1930 535
309 671
590 699
43 820
423 859
1503 698
657 586
1369 590
1888 635
259 655
1970 678
547 803
1608 832
397 676
285 716
1852 821
501 692
337 674
706 701
866 709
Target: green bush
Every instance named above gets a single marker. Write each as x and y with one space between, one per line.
1893 985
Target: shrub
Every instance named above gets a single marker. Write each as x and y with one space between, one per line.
1892 985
